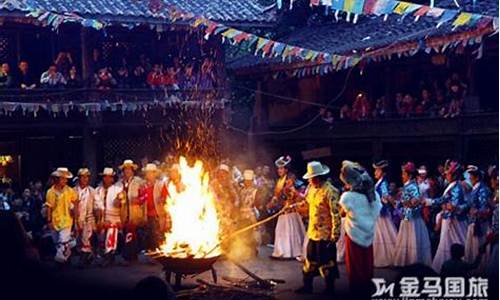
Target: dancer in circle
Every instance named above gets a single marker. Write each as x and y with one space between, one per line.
385 230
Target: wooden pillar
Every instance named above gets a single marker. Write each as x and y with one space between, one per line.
86 52
90 151
257 108
471 70
18 46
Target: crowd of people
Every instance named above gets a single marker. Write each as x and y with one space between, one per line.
106 74
448 222
446 101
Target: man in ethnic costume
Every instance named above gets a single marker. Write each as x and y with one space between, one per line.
323 229
249 200
132 212
86 222
110 198
62 208
153 194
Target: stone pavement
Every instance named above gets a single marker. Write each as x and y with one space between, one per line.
125 277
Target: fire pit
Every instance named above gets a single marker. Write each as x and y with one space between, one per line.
191 244
186 266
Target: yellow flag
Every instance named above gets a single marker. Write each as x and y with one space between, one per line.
462 19
401 8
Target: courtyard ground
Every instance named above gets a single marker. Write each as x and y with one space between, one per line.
123 278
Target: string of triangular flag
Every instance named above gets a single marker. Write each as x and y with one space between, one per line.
355 8
438 44
263 46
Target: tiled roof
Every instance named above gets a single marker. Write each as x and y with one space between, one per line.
138 10
370 32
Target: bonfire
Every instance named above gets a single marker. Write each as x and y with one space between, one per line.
194 231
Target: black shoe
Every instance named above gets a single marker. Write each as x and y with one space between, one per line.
304 290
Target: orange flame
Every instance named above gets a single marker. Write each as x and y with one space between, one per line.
193 214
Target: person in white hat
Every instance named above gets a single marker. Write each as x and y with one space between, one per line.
109 199
153 194
423 182
227 197
323 230
132 212
385 230
290 231
86 222
62 207
249 199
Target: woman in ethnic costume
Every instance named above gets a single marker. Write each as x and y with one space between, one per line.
385 230
289 233
412 242
454 215
479 215
361 206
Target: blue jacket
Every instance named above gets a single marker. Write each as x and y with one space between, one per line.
454 194
410 191
479 199
382 189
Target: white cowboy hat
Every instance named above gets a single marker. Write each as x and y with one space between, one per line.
150 168
283 161
108 172
62 172
225 167
315 168
83 172
248 175
128 163
422 170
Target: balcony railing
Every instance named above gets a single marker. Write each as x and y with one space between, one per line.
477 123
73 106
112 95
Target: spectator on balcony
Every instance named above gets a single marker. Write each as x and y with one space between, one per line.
207 75
440 108
144 62
104 80
399 104
425 104
170 79
74 80
345 112
155 77
97 62
456 97
138 78
52 78
188 79
361 108
326 115
381 108
6 80
122 77
64 61
25 79
456 80
407 106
